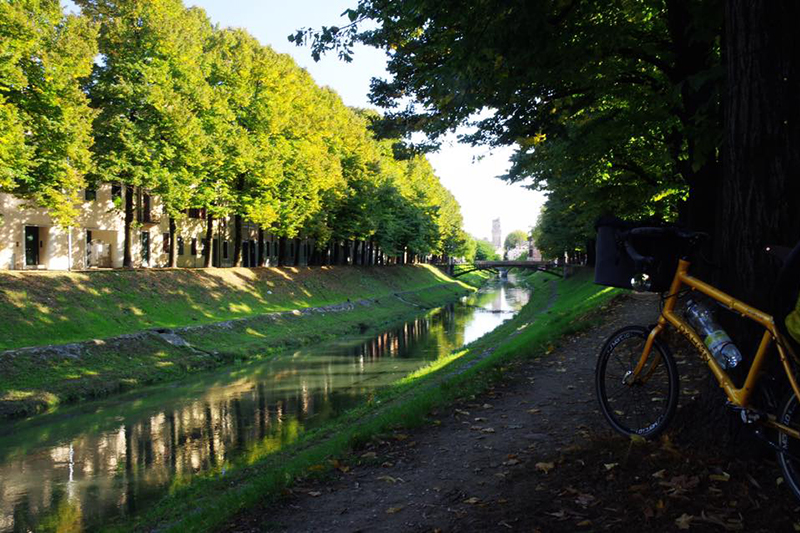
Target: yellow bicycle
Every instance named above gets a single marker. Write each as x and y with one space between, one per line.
636 377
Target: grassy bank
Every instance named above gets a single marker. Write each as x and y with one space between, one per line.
206 503
34 380
38 308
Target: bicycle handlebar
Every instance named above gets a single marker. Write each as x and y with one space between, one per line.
693 238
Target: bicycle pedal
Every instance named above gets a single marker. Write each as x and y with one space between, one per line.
748 416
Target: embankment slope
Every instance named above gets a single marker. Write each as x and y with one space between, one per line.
70 336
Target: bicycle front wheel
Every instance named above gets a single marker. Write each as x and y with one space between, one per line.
790 446
642 406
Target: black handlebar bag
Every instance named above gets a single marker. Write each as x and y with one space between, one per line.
614 266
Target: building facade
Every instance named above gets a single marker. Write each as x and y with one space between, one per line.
30 240
497 235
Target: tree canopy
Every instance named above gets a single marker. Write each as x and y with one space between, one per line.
151 96
615 107
514 239
45 118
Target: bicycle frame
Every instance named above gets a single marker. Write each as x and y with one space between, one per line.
738 396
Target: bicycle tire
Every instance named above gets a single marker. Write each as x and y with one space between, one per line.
652 402
790 416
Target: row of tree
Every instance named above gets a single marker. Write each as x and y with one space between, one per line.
150 95
678 109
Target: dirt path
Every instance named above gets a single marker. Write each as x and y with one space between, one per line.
534 454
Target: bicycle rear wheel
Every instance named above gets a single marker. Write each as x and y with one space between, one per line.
646 406
790 447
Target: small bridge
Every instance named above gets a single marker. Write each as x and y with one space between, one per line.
459 269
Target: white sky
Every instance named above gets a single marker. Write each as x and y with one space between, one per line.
482 196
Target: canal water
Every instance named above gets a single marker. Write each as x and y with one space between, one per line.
110 458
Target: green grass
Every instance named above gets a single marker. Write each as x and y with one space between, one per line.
61 307
32 382
210 500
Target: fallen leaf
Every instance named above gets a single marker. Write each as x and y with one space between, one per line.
544 467
472 501
393 510
388 479
316 468
610 466
659 474
462 413
369 455
487 406
315 493
534 411
400 436
684 521
487 430
720 477
584 523
638 439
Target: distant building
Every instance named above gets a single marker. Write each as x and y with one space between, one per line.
514 253
533 252
497 235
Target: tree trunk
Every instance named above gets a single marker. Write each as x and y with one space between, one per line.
237 240
261 256
209 244
281 251
761 151
173 256
693 38
297 244
127 259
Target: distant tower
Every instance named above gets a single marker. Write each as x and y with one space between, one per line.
496 234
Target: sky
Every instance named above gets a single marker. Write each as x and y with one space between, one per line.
481 195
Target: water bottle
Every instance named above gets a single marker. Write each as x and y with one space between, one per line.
701 318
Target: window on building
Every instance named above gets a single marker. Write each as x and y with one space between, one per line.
90 194
180 246
116 191
194 246
225 250
166 243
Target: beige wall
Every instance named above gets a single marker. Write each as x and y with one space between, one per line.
106 224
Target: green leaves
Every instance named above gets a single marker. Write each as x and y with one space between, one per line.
44 115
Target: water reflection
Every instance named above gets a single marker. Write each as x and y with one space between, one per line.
71 469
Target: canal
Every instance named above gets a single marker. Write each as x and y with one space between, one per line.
110 458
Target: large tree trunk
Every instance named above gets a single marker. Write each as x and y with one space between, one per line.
761 189
173 255
127 259
693 39
209 244
237 240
